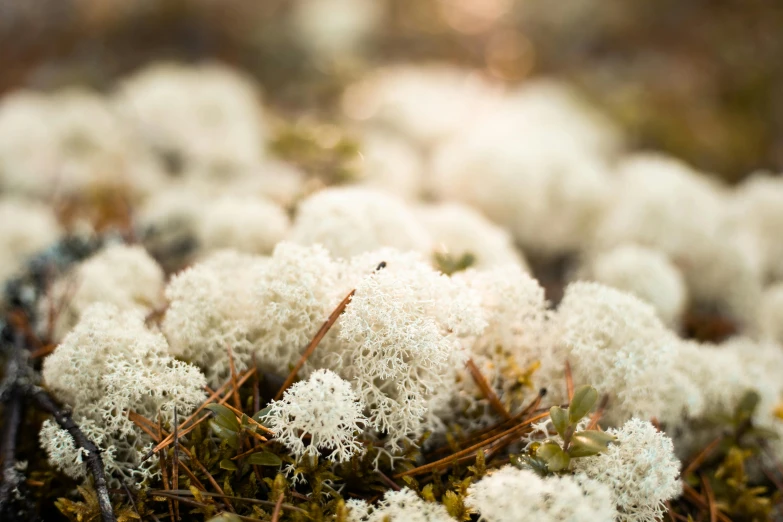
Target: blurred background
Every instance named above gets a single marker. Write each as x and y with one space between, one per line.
700 79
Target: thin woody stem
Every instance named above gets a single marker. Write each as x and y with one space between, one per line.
314 343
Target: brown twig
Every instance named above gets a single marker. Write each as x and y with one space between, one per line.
700 457
713 508
278 506
256 408
693 495
188 493
175 465
486 389
466 451
569 378
673 516
13 418
131 500
140 422
211 479
314 343
596 417
256 388
234 385
144 424
92 455
194 481
43 351
183 430
251 420
531 407
164 471
169 495
255 449
669 511
388 481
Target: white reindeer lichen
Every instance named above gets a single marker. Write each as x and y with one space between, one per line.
108 365
323 407
640 469
519 495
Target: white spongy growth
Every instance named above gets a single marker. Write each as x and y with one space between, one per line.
398 506
323 407
108 365
644 272
760 365
263 307
554 105
335 29
640 469
757 208
518 333
457 230
686 386
351 221
616 343
424 104
70 143
543 186
209 116
399 340
770 320
391 164
25 228
210 305
664 204
292 295
519 495
122 275
252 225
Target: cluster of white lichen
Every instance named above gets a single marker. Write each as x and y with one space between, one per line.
109 365
640 469
517 495
398 505
325 407
456 172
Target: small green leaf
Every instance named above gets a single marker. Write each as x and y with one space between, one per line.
589 443
583 401
556 459
224 417
225 434
244 421
264 458
560 419
260 414
227 464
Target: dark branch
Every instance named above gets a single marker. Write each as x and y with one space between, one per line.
93 457
12 397
19 380
11 477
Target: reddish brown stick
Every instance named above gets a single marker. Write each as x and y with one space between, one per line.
466 451
487 390
314 343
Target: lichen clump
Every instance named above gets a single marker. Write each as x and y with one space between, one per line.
457 301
